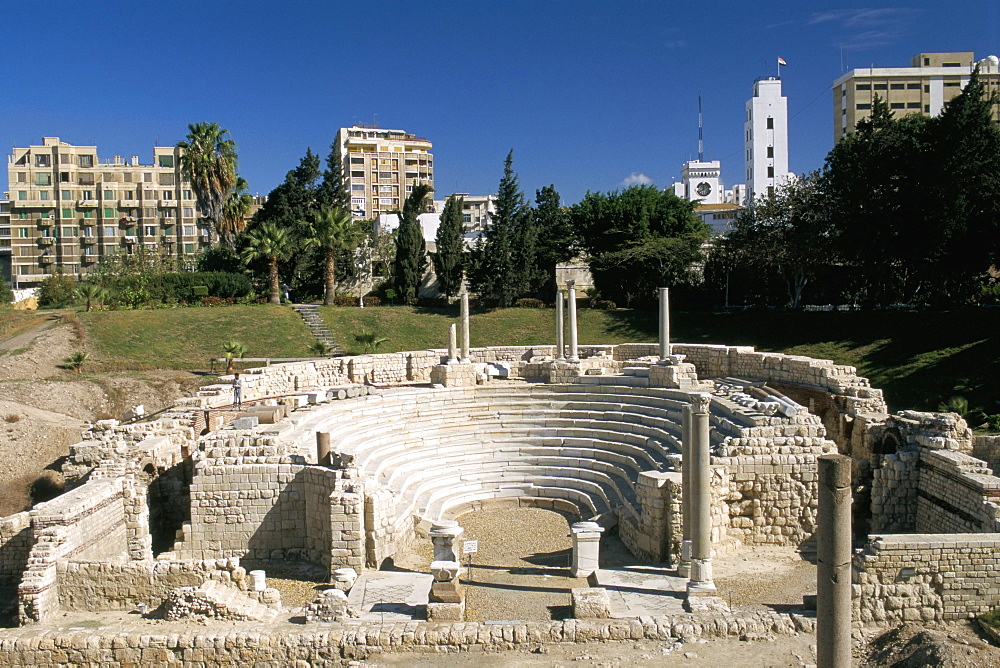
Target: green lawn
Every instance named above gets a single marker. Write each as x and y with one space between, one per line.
186 338
918 359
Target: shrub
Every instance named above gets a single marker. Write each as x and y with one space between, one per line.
345 300
529 302
992 617
57 291
605 305
6 294
13 417
211 301
372 300
199 290
46 486
430 302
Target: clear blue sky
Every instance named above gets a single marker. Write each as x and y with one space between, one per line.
586 93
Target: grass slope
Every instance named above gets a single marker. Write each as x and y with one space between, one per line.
187 338
918 359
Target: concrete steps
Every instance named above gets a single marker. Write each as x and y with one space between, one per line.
310 314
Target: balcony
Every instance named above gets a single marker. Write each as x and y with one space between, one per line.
45 241
128 203
130 239
87 241
92 203
126 220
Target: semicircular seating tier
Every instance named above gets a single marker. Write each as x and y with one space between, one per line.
574 447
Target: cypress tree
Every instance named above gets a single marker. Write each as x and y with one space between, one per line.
332 192
411 251
449 260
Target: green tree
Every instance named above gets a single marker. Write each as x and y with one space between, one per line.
449 260
411 251
6 294
333 231
787 233
369 340
556 238
332 192
234 213
505 260
56 291
91 293
271 244
233 349
209 163
638 239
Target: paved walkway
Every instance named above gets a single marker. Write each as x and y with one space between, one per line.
391 596
642 590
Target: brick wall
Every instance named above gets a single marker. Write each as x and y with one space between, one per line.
957 493
15 543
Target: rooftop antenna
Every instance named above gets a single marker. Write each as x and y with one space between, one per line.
701 142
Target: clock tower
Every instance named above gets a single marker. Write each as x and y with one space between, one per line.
701 181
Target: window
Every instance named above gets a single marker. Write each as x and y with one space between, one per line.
22 194
147 177
770 172
358 187
22 215
64 177
127 177
165 161
85 160
110 231
897 105
22 177
927 108
109 194
189 230
385 189
385 175
67 213
881 86
150 231
148 213
188 212
187 194
22 233
87 194
43 161
128 194
927 88
43 179
770 123
65 159
357 175
897 86
88 250
86 179
864 107
109 213
43 194
913 86
357 161
109 249
189 249
770 151
66 194
863 87
952 84
167 213
166 179
168 194
69 231
88 232
466 217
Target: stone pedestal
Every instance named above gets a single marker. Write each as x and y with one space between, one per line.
678 375
458 374
443 535
564 371
586 548
590 603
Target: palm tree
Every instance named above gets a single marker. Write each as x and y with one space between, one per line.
274 244
91 293
233 348
234 212
76 361
333 230
209 163
369 340
319 348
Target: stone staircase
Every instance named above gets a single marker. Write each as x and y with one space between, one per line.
310 314
216 601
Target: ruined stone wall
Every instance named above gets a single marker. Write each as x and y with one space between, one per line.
96 586
956 494
894 485
655 534
87 523
924 578
987 448
15 544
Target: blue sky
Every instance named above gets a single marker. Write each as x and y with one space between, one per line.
586 93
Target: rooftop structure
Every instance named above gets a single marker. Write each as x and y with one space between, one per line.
382 166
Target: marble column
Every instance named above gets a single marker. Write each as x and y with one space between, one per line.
833 563
571 299
452 343
560 326
664 324
322 448
465 326
701 581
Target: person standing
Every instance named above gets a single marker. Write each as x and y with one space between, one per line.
237 391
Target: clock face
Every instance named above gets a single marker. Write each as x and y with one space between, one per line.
703 189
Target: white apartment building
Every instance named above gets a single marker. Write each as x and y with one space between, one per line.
766 138
70 208
382 166
5 238
931 80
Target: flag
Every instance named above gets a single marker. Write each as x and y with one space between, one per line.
781 61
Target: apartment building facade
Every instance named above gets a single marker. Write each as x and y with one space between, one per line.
5 238
70 208
382 166
931 80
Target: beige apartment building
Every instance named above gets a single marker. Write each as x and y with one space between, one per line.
923 88
382 167
70 208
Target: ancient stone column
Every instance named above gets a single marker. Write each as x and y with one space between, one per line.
465 326
560 326
684 565
586 548
571 298
322 448
700 581
664 324
452 343
443 535
833 563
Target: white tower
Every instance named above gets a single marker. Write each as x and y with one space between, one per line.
701 181
766 136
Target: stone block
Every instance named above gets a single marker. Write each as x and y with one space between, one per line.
248 422
446 592
591 603
446 612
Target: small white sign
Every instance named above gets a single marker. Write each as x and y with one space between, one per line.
470 546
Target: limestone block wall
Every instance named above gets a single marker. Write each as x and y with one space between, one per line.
656 533
15 544
921 577
894 489
86 523
385 533
95 586
987 448
957 493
